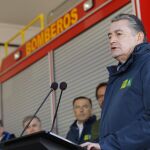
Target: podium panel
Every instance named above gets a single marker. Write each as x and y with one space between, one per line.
40 141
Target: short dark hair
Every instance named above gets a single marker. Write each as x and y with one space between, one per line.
134 22
29 117
82 97
1 123
99 86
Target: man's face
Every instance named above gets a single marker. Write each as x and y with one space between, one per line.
122 40
101 94
34 126
82 110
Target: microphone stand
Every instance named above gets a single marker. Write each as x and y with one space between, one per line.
54 119
63 86
54 86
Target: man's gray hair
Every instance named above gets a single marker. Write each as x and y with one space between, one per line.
28 118
134 22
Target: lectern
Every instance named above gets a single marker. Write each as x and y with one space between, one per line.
40 141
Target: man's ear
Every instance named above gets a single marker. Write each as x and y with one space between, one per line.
140 37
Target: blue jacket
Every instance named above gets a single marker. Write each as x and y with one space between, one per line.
125 121
7 136
73 133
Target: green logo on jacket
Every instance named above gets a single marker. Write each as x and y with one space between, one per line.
126 83
87 137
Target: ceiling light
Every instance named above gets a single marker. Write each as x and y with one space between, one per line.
17 55
88 5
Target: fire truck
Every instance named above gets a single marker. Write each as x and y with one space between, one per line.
73 48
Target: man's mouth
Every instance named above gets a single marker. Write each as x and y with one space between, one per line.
114 48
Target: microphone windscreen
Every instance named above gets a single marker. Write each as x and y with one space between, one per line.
63 85
54 86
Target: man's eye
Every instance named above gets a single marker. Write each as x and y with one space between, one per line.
119 34
34 125
86 106
109 37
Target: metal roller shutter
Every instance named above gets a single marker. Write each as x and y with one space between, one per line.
26 92
82 64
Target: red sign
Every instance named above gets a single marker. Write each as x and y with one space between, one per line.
142 11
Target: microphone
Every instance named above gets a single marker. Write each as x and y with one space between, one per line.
53 87
63 86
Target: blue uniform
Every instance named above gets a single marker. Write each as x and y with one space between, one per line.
7 136
125 121
73 133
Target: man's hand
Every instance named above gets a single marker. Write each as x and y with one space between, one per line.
91 146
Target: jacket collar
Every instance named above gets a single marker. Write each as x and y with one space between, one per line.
90 120
138 50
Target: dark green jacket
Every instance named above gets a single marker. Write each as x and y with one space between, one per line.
95 131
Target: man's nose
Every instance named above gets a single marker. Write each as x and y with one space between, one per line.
81 109
31 130
113 39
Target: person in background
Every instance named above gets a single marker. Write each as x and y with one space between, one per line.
4 135
99 94
80 130
34 126
125 119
